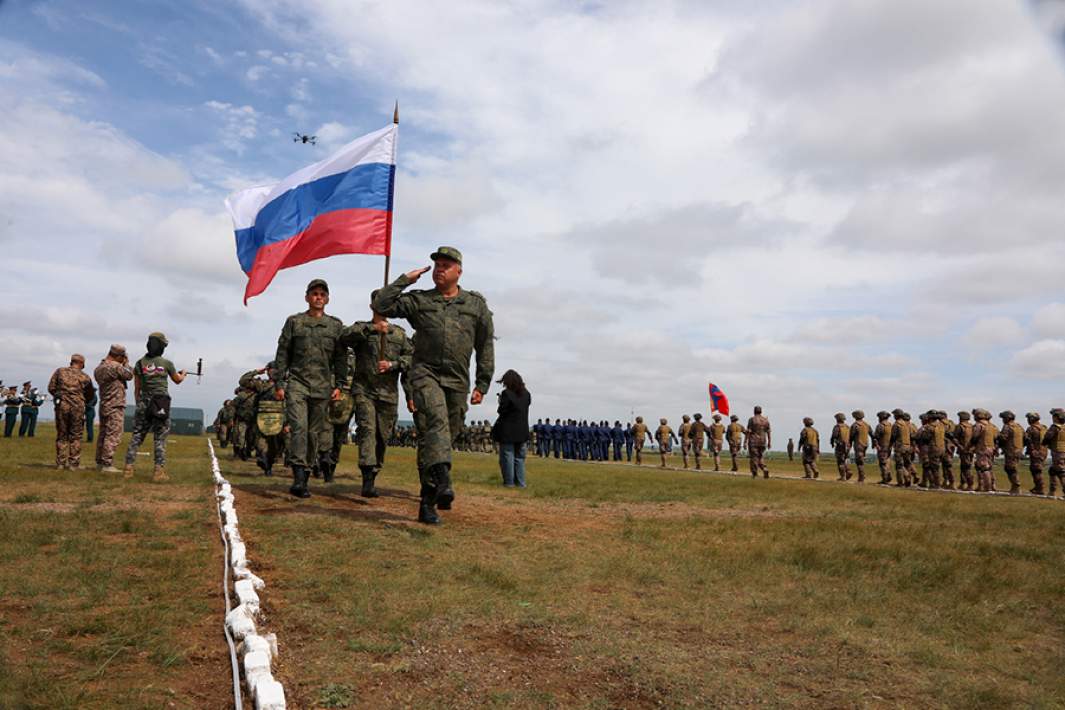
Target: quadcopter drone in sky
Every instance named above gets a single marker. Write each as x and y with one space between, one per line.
304 138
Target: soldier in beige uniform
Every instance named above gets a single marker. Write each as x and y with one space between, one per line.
112 377
901 442
840 441
70 387
640 433
1011 441
685 439
759 438
947 462
697 433
1054 439
735 434
860 434
1037 453
932 436
717 440
809 448
985 441
665 437
963 439
882 437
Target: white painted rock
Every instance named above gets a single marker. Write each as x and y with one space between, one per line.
256 667
269 695
238 555
257 583
255 642
240 622
246 595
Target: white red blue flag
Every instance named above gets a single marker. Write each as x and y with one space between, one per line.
340 205
718 400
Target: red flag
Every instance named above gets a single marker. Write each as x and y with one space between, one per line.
718 400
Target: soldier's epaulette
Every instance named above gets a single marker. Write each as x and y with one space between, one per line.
476 294
334 318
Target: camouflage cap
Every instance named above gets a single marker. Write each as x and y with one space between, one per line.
1032 416
840 416
1007 414
76 357
317 283
808 421
882 414
447 253
160 336
117 350
963 415
858 414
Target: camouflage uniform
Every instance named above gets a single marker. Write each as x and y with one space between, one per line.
809 448
791 449
758 439
882 438
311 363
860 433
717 440
840 441
946 462
70 387
697 435
735 434
447 331
685 438
1037 452
112 378
1011 441
921 440
963 439
985 438
153 374
376 394
267 448
902 443
665 437
640 433
932 438
1054 440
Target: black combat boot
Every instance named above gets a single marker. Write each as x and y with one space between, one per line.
326 466
441 474
369 473
427 507
299 482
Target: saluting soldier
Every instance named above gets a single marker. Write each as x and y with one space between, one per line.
809 448
840 441
860 434
1054 439
1037 452
267 417
311 363
1011 441
759 438
735 434
450 324
375 388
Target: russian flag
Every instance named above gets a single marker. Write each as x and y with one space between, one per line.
341 205
718 400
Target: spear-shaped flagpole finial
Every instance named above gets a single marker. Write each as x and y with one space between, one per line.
395 114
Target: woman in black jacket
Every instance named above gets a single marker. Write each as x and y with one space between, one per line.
511 430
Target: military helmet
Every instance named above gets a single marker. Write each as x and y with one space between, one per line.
717 417
906 416
1007 415
808 421
734 418
686 418
698 416
881 415
858 414
1057 413
662 420
941 414
963 416
924 416
981 413
639 420
1032 416
757 409
897 413
840 416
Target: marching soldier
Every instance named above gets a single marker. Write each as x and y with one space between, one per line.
717 438
759 438
152 393
223 422
375 389
665 438
985 440
696 434
921 440
1011 441
685 438
963 439
809 448
640 433
1037 452
791 449
951 446
840 441
265 421
932 437
903 448
860 435
70 387
735 435
450 324
311 364
1054 439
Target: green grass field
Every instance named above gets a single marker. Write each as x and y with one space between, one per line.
599 586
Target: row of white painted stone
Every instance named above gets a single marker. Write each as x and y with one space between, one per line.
255 650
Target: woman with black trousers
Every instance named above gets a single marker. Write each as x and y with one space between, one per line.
511 430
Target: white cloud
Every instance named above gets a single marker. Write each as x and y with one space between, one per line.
1042 360
1049 321
240 123
257 72
994 332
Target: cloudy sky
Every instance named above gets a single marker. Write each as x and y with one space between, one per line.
817 205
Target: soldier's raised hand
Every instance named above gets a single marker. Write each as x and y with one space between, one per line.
416 274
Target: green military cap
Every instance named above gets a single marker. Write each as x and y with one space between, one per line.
160 336
318 283
447 253
963 415
1007 415
840 416
858 414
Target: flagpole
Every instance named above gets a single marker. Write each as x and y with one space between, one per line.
388 254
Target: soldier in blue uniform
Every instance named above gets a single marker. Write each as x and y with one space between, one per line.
617 438
556 438
603 433
538 429
569 440
629 441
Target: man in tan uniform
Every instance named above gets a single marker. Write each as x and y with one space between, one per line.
685 440
640 433
1037 452
70 387
112 377
933 436
963 439
665 438
901 442
985 438
809 448
717 440
735 434
759 438
840 441
1054 439
947 462
1011 441
860 435
882 437
696 434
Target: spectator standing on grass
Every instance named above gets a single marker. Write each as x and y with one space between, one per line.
511 429
112 377
152 393
12 400
70 388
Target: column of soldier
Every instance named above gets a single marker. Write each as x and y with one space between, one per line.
896 441
301 404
